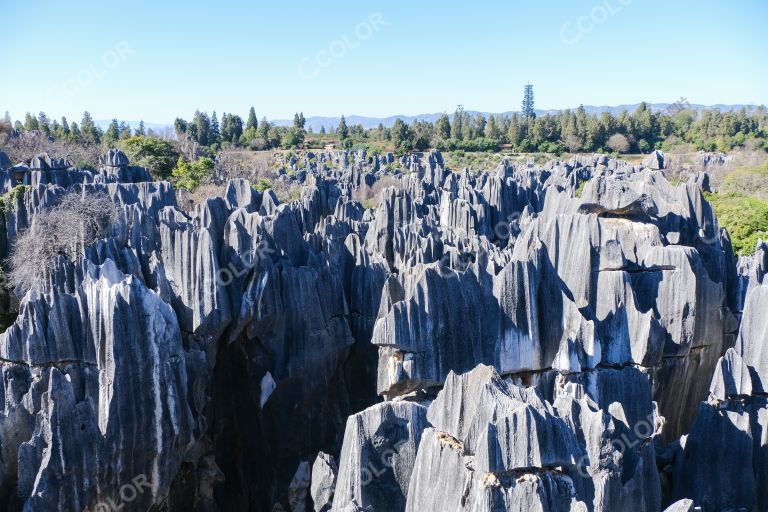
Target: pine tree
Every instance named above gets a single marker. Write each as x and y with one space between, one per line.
479 125
65 127
181 126
7 117
226 128
443 127
491 131
236 127
141 130
514 131
88 128
112 133
299 121
125 130
215 133
527 110
262 130
252 122
402 137
74 131
202 123
30 123
458 123
45 123
343 131
322 129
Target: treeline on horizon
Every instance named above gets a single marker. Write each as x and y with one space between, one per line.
184 154
573 131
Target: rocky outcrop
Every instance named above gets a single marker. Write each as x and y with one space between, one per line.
5 162
475 341
324 473
723 462
378 455
655 160
83 357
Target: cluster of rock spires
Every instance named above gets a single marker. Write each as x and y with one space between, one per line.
572 336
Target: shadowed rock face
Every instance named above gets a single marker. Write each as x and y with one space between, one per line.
533 349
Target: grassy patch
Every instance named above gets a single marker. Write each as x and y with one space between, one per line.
745 218
751 181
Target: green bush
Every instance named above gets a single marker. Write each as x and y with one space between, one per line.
157 155
478 144
190 175
8 199
745 218
262 185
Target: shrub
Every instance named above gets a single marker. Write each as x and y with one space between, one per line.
190 175
9 198
262 185
745 218
477 144
157 155
618 143
64 229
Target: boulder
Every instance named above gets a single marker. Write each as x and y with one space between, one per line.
655 160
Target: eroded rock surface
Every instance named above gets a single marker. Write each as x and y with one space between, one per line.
474 341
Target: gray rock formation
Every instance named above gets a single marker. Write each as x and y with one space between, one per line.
655 160
5 162
324 472
684 505
723 462
534 349
378 455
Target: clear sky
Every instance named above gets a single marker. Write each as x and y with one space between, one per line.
156 60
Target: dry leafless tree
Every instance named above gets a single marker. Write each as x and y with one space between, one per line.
64 229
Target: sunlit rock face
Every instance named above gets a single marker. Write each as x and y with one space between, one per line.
461 341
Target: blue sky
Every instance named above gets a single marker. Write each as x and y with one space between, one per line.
155 60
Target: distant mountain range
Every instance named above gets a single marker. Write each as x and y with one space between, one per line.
316 122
